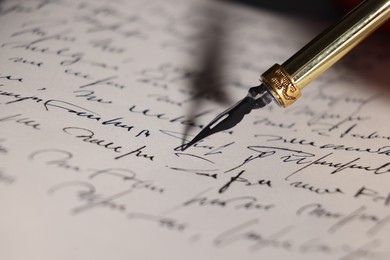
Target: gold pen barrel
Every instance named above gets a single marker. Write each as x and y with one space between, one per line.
286 81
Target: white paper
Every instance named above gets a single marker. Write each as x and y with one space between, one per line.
95 96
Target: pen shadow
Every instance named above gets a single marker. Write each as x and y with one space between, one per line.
208 84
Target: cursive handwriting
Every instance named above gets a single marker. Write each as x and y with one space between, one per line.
88 193
56 157
19 119
87 136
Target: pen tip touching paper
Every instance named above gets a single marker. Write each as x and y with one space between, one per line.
257 97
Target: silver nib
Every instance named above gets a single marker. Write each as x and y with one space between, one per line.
257 97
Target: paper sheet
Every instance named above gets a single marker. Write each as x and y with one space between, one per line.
96 95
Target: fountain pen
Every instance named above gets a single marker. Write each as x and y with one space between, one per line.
283 83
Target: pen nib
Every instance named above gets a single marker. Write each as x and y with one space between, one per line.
257 97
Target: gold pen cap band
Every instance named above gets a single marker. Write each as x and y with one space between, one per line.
281 85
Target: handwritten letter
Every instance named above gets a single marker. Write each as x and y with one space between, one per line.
96 96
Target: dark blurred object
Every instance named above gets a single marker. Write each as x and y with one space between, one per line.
346 5
322 9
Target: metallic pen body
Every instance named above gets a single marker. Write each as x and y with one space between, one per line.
284 82
331 45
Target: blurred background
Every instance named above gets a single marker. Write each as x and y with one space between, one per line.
320 9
